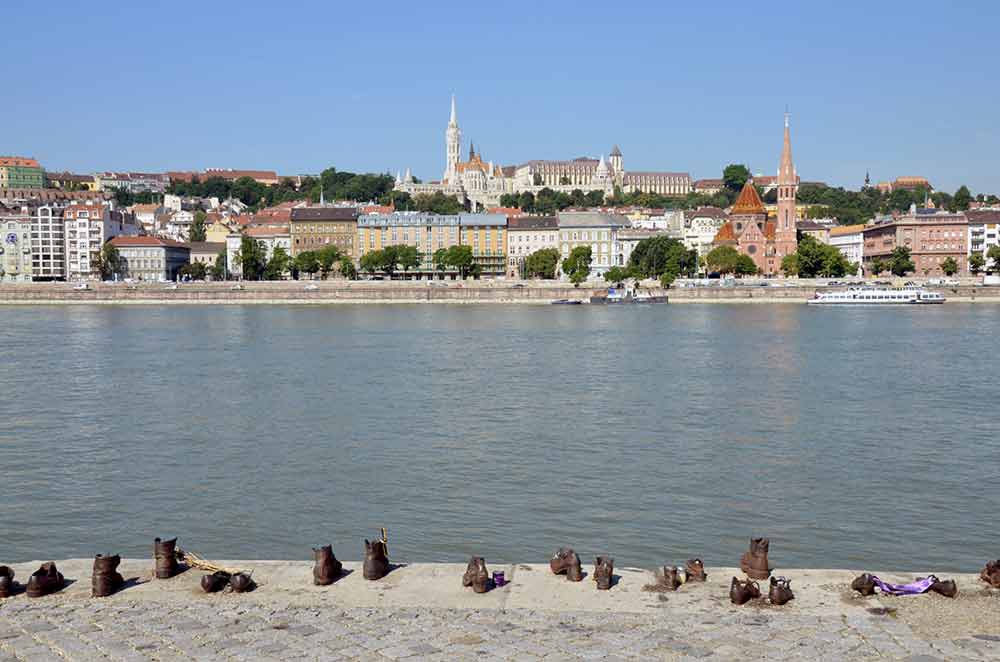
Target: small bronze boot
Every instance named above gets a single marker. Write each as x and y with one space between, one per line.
741 592
864 584
695 570
165 557
241 583
559 562
376 565
754 562
45 580
669 578
476 575
947 587
574 568
992 569
215 582
604 571
6 582
781 591
327 567
105 578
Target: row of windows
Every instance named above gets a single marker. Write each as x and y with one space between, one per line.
586 235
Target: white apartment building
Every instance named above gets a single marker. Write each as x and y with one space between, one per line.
984 233
594 229
849 240
48 244
87 227
15 245
525 235
270 237
700 227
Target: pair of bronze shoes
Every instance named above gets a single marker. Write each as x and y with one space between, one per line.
742 592
991 573
865 585
105 578
327 568
672 579
567 562
754 563
477 576
239 582
47 579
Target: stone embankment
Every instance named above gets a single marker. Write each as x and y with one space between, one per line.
340 291
421 612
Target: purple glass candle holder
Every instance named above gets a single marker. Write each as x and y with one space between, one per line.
498 578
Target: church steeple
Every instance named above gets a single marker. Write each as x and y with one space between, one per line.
453 146
788 184
472 151
454 117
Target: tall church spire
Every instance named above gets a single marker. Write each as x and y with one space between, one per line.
453 144
788 184
786 171
454 117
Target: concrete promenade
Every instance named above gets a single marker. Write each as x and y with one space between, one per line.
421 612
412 292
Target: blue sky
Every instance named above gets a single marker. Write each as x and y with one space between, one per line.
900 88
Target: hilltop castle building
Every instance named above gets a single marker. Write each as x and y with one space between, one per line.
481 183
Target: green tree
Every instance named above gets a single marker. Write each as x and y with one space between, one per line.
542 263
878 266
962 198
123 198
347 269
722 259
745 266
437 203
278 265
197 232
460 257
616 275
658 256
371 262
220 270
307 262
949 266
194 270
252 258
790 264
577 265
328 256
994 254
900 263
734 176
441 260
408 257
109 263
976 262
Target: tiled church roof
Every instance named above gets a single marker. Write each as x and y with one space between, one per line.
748 202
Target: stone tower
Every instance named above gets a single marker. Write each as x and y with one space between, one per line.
784 231
615 160
453 144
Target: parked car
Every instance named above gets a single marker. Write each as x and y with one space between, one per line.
312 287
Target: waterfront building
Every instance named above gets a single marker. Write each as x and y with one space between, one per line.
87 227
205 252
931 235
629 238
48 243
767 242
15 245
21 172
850 241
670 221
486 234
269 236
984 233
176 225
525 235
313 228
133 182
700 227
597 230
150 258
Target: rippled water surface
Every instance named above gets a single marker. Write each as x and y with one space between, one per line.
859 437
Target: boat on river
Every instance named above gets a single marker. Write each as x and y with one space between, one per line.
627 296
877 296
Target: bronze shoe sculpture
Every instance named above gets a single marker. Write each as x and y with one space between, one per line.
754 562
574 568
864 584
669 578
695 570
241 583
376 565
781 591
476 575
742 592
947 587
559 562
327 567
105 578
604 572
991 573
6 582
165 558
215 582
45 580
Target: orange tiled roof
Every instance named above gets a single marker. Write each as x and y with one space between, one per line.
846 229
770 227
22 161
121 241
748 202
725 233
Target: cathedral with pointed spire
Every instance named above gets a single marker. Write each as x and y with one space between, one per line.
749 229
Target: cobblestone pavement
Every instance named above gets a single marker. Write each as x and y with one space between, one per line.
96 630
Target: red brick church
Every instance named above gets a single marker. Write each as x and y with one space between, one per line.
749 230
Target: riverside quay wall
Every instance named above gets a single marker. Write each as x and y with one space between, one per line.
470 291
420 611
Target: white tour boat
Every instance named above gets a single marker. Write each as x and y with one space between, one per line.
877 296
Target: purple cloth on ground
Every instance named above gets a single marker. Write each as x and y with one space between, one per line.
913 588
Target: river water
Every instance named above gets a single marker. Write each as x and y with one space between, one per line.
852 437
